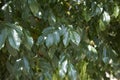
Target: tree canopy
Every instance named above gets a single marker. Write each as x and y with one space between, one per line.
59 40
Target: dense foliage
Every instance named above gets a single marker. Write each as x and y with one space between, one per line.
59 39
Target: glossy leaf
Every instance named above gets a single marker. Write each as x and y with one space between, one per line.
14 39
56 37
75 37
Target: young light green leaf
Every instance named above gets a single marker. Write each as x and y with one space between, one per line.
116 11
14 39
75 37
49 40
102 25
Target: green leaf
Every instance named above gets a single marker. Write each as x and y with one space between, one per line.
66 39
28 40
26 64
48 30
116 11
56 37
49 40
102 25
75 37
40 40
11 50
72 72
3 36
14 39
34 6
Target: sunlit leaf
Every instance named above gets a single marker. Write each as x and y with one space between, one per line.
116 11
72 72
56 37
14 39
75 37
106 17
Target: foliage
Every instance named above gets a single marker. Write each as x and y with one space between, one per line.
59 39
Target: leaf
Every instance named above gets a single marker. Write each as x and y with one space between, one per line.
102 25
92 49
26 64
28 40
40 40
106 17
56 37
49 40
3 36
48 30
11 50
116 11
72 72
14 39
75 37
66 39
105 60
10 68
34 6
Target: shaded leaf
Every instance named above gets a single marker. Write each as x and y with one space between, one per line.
26 64
34 6
3 36
40 40
102 25
49 40
28 40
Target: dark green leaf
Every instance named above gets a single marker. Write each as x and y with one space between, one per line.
34 6
26 64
